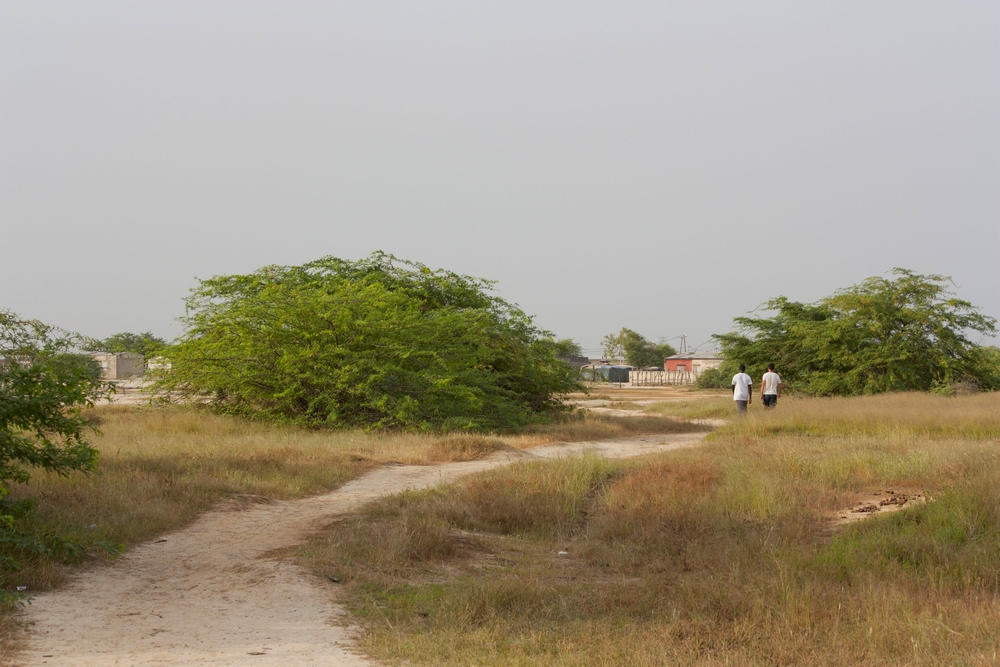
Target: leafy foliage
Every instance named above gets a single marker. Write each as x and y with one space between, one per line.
714 378
635 349
905 333
145 344
376 343
567 347
43 388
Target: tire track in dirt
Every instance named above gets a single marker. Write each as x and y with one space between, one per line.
210 595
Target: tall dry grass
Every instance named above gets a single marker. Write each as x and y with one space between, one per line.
720 555
909 414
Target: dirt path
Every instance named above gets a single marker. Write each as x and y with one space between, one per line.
210 595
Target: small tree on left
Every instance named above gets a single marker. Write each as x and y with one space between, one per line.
44 387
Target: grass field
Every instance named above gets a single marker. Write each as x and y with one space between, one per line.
720 555
714 407
159 468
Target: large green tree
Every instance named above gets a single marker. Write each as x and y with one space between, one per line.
380 342
908 332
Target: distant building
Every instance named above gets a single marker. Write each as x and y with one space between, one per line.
692 362
606 372
575 362
119 366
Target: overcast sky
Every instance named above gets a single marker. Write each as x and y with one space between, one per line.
660 166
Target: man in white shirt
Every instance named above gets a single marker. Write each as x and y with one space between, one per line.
741 389
770 387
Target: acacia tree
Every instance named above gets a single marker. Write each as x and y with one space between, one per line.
44 387
376 343
635 349
909 332
144 343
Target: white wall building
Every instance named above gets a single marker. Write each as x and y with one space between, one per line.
119 366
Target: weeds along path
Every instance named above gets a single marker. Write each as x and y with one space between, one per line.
215 593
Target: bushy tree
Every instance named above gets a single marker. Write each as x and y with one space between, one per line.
144 343
635 349
44 387
380 342
909 332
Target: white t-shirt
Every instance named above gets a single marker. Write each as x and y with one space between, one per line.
769 383
742 383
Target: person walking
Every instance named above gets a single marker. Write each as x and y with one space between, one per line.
741 389
770 388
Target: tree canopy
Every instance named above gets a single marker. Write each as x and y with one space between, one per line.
380 342
635 349
44 386
567 347
144 343
908 332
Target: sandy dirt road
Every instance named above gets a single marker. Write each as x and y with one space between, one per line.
210 594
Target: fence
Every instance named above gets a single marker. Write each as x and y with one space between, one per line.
648 378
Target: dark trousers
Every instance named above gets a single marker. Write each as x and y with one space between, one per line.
741 406
770 400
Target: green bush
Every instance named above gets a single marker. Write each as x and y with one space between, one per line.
376 343
714 378
44 387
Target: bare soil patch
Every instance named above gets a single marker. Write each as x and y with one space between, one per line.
875 504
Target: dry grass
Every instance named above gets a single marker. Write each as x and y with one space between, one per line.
159 468
972 416
708 407
699 557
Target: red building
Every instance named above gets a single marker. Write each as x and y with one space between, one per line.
691 362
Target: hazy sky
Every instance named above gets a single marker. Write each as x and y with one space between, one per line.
661 166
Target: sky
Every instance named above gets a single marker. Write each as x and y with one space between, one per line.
659 166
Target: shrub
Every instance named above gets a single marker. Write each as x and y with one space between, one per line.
376 343
713 378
